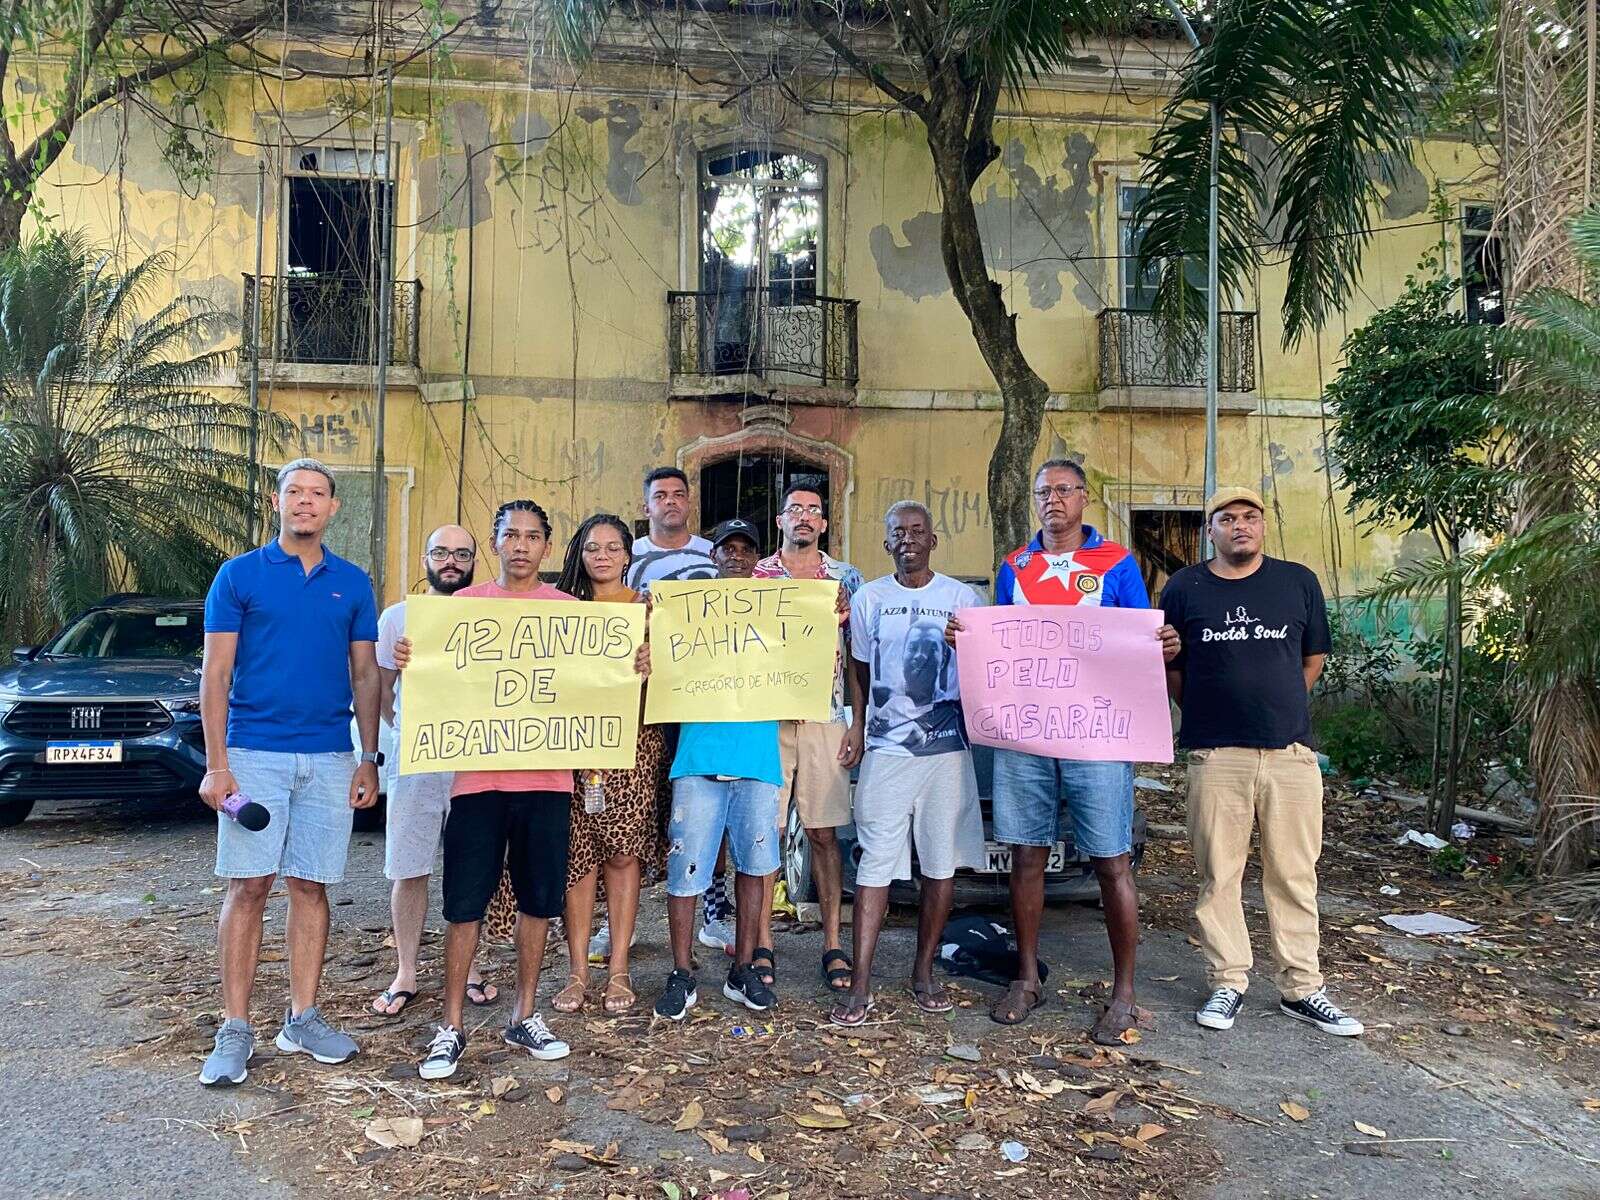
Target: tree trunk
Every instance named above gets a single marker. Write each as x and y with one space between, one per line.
1023 393
11 214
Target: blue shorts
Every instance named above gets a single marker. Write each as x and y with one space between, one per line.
308 797
1029 790
703 809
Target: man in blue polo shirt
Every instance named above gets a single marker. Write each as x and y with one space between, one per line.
290 633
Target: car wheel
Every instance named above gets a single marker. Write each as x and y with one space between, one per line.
797 860
14 812
371 820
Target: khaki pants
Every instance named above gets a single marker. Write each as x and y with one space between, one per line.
1230 790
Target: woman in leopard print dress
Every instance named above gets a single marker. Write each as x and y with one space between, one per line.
626 838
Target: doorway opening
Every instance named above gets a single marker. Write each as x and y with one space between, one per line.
752 486
1165 540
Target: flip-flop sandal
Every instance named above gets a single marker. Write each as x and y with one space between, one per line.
850 1009
570 999
380 1006
1116 1019
482 999
1013 1008
765 964
838 979
618 996
931 998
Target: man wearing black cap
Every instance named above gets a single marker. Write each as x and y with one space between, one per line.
735 548
1255 633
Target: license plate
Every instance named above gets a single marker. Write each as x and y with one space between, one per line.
83 752
997 858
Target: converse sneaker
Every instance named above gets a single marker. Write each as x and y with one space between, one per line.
1219 1011
444 1053
230 1057
1316 1009
678 996
534 1036
310 1034
744 987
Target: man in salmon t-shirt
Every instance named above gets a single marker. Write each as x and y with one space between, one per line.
527 813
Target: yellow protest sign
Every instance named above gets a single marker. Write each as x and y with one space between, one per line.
519 685
742 650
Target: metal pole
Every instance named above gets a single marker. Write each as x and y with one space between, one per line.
253 480
380 492
1211 286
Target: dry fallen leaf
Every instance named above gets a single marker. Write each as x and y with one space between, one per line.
691 1116
1370 1130
1129 1036
715 1140
501 1084
553 1094
390 1132
1149 1132
1365 929
818 1121
1295 1112
754 1152
1104 1103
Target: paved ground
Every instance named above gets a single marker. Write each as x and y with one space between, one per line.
89 1115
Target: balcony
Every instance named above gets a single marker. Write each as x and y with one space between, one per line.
1141 367
319 328
758 341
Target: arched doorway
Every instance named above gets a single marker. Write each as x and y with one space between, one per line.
751 485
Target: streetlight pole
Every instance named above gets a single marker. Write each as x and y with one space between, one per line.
1211 287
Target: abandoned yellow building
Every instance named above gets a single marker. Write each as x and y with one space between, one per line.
714 247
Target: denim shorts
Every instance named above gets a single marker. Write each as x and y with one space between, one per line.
1029 790
308 797
702 809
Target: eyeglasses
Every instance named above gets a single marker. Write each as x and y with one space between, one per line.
1063 490
794 510
440 554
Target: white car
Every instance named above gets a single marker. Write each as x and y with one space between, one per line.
370 819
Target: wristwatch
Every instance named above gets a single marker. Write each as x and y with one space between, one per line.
375 757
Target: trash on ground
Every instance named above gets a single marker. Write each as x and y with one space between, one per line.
1428 841
1388 889
1425 923
1462 831
1150 785
1014 1151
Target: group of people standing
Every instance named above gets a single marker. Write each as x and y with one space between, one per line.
294 644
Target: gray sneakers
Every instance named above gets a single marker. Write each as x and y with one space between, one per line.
230 1057
310 1034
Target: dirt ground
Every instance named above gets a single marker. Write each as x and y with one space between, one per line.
1479 1074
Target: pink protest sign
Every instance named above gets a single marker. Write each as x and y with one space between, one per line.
1067 681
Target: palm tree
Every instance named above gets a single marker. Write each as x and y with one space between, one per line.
118 470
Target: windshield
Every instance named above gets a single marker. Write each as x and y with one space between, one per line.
121 634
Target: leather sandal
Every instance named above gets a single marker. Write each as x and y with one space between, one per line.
618 996
1020 1000
571 998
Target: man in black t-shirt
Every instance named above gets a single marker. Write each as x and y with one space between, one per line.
1254 632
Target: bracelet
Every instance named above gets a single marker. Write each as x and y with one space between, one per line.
218 771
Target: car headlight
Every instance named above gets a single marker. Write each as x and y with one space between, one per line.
187 707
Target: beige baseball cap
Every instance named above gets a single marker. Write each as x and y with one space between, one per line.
1223 497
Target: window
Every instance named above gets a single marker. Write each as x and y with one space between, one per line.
760 260
1139 287
1480 265
336 203
751 486
1165 540
123 633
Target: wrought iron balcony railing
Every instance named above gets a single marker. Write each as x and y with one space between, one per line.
770 332
1135 352
329 318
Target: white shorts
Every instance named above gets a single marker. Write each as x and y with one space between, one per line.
418 805
930 802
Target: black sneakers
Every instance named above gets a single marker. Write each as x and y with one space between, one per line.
534 1036
1219 1011
678 996
444 1053
744 987
1316 1009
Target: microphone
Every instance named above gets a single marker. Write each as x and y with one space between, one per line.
247 812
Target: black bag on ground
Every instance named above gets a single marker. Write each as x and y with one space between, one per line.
974 946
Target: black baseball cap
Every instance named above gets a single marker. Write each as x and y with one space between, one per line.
735 527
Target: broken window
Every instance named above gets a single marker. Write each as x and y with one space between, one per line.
760 255
336 205
1165 540
1480 266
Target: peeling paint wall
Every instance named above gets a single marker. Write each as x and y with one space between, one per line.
562 219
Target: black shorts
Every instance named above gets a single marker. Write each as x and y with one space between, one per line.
524 831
